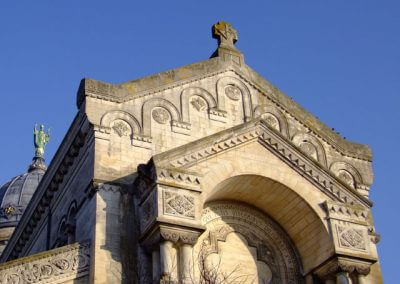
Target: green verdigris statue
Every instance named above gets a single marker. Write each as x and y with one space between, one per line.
40 139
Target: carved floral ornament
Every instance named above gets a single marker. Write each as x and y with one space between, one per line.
198 103
121 128
63 263
160 115
271 120
233 92
181 205
351 238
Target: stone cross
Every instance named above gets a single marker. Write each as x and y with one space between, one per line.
225 34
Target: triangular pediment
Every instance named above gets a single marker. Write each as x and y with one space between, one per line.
167 80
181 164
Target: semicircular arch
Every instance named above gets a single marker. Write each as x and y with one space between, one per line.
153 103
303 137
195 91
246 95
111 116
286 197
283 124
343 166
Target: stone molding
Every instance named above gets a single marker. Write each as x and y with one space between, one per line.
182 158
342 264
55 266
349 213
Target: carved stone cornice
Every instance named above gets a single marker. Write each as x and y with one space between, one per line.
342 264
150 175
58 265
346 212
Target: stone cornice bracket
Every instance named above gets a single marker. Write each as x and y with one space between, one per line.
342 264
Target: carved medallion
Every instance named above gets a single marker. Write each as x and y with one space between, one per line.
233 92
178 204
121 128
160 115
351 238
198 104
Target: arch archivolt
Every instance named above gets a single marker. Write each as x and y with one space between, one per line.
186 97
234 89
271 244
264 181
122 122
310 145
161 110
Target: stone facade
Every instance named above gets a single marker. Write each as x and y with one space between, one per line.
202 173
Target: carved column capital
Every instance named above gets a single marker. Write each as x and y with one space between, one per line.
173 233
176 235
341 264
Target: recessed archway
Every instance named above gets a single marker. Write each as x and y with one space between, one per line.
293 213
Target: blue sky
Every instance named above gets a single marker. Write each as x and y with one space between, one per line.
338 59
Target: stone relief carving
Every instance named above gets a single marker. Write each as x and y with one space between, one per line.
112 118
346 177
175 235
339 264
271 120
179 204
351 238
310 146
309 149
160 115
273 246
348 174
233 92
198 104
121 128
64 263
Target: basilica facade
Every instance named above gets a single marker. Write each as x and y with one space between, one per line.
202 174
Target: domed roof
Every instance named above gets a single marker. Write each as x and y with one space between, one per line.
17 192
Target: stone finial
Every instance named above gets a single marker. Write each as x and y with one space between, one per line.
225 34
